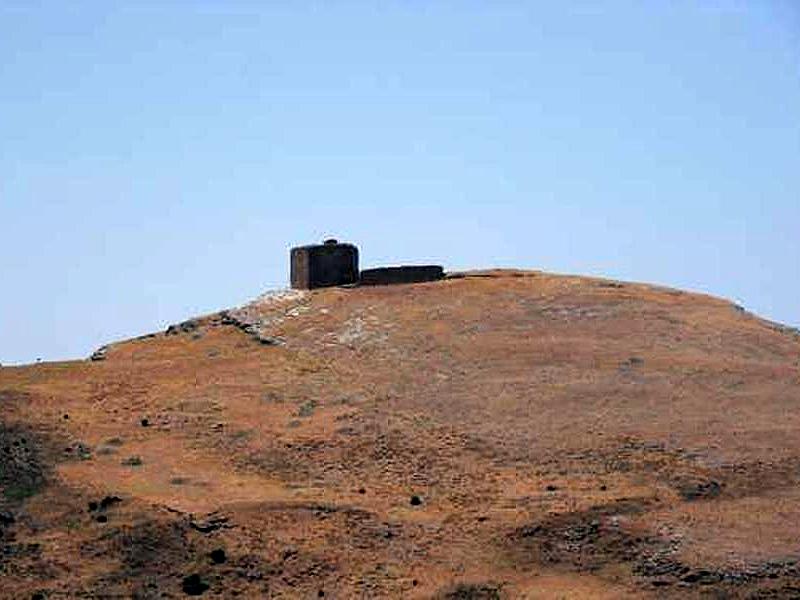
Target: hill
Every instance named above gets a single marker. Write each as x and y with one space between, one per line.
500 434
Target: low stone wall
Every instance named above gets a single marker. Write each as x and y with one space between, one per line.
403 274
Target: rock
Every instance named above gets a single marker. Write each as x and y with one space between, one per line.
701 576
99 354
632 362
218 556
210 523
84 451
307 408
132 461
416 500
225 318
184 327
289 553
252 329
700 490
193 585
471 591
267 340
109 501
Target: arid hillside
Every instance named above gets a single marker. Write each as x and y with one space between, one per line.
498 434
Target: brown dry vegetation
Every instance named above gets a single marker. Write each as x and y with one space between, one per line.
499 435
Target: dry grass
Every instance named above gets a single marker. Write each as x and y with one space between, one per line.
639 435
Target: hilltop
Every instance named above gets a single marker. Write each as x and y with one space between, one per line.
499 434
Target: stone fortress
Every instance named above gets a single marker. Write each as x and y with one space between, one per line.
333 264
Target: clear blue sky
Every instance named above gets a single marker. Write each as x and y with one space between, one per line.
157 159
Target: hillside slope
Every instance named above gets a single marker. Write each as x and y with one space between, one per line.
501 434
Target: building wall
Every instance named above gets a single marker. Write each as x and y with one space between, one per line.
324 265
403 274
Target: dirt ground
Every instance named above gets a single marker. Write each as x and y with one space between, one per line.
499 434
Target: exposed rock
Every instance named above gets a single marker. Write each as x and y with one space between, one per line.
193 585
183 327
109 501
210 523
700 490
471 591
253 327
99 354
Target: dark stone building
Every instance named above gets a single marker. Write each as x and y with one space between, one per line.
331 264
324 265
